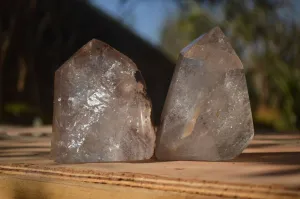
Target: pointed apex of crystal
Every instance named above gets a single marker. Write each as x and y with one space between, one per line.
95 44
92 47
92 50
214 38
213 44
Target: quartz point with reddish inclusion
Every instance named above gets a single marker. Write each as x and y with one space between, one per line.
207 113
101 112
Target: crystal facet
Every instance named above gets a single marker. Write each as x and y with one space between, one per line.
101 112
207 113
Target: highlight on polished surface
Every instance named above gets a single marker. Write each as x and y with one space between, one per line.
101 111
207 114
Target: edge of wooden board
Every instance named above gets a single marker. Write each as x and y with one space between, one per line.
150 182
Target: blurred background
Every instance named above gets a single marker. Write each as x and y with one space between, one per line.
37 36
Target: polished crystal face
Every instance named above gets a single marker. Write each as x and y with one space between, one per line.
101 112
207 113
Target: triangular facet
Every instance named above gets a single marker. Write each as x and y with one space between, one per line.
214 37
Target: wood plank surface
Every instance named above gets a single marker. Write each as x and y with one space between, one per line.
268 168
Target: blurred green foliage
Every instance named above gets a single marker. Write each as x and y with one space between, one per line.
17 108
267 43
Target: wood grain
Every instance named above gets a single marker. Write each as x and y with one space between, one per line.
268 168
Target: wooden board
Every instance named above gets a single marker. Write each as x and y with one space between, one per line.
268 168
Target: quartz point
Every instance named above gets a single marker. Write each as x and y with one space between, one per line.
101 111
207 114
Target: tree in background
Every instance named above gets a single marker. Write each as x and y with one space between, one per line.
267 43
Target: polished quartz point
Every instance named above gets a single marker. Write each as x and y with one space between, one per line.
207 113
101 112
